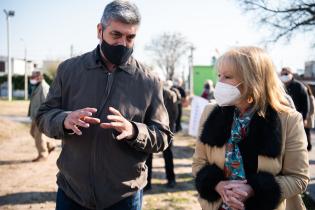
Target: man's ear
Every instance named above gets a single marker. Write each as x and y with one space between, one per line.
99 31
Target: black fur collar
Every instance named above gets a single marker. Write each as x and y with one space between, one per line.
264 137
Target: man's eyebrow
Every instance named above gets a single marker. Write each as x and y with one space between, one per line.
115 32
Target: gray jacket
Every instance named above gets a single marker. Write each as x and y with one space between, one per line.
38 96
96 170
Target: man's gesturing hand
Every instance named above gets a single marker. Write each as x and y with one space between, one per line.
80 118
120 124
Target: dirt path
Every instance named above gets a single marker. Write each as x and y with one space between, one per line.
23 184
27 185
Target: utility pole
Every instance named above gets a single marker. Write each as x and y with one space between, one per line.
71 51
25 76
191 63
26 72
9 14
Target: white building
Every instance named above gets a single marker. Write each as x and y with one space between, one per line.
309 69
18 66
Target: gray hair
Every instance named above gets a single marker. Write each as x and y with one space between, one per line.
122 11
36 72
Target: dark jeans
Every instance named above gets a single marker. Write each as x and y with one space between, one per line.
178 126
169 165
133 202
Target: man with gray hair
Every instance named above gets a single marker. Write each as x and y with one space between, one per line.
298 92
39 89
108 110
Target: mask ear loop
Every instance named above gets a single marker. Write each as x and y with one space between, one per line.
249 99
239 84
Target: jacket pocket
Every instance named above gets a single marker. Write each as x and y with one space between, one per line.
141 180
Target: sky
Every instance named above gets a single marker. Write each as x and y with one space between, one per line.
48 28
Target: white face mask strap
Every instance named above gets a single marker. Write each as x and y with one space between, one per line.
239 84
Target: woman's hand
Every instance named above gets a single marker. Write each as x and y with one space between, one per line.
230 197
235 204
241 191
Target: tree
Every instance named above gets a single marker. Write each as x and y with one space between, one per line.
50 68
285 18
167 50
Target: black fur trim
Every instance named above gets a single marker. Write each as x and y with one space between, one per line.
267 133
217 128
206 180
264 133
267 192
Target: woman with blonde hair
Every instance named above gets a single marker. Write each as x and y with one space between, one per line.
251 152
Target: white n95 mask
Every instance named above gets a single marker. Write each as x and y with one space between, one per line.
33 81
285 78
226 94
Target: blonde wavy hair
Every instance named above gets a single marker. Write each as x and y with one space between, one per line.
260 82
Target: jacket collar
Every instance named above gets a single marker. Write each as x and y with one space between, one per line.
264 133
93 60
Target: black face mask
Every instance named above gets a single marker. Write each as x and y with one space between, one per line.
116 54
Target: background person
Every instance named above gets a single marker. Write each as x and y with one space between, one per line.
38 95
310 117
178 84
208 90
171 105
297 91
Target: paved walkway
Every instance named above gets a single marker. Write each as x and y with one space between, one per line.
16 118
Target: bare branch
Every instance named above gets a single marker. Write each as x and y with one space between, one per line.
167 51
285 18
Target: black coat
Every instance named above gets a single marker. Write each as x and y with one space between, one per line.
299 96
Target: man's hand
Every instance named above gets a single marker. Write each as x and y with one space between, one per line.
120 124
80 118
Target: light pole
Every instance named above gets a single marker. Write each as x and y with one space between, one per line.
25 73
9 14
191 65
71 51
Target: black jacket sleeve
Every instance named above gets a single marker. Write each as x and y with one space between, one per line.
267 192
206 180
